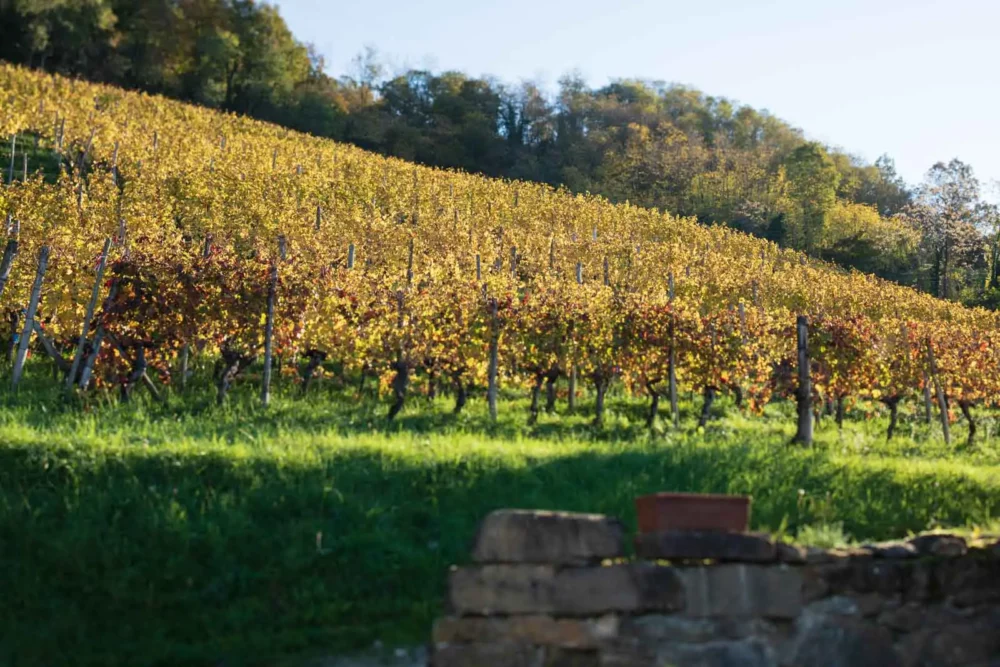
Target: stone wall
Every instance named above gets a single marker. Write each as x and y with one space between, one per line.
555 590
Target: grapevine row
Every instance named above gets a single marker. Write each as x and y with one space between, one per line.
396 271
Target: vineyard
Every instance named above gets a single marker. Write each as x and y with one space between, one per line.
261 387
142 232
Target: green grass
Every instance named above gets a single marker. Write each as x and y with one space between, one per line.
142 534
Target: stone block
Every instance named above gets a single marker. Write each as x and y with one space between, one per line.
818 556
838 605
502 589
905 618
866 576
814 585
704 545
919 581
742 591
628 655
911 648
596 590
573 591
842 641
654 630
559 538
897 550
869 604
791 554
537 630
944 546
561 657
741 653
618 588
969 581
970 643
483 655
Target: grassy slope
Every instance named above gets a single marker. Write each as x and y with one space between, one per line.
188 534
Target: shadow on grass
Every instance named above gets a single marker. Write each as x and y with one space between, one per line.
160 556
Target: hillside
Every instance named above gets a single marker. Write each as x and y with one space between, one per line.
200 205
654 144
309 370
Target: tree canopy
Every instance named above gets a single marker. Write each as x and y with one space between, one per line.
648 142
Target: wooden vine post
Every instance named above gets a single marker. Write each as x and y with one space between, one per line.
91 359
571 399
409 266
804 434
272 290
493 369
29 318
928 408
675 416
941 398
88 315
401 380
7 263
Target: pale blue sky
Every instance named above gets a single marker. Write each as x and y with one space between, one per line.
917 79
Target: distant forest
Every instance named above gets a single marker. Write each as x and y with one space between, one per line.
649 143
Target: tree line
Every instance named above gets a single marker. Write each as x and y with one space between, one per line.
650 143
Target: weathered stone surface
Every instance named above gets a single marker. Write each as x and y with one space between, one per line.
751 652
919 581
897 550
970 643
838 605
618 588
628 655
814 586
573 591
502 589
652 629
866 575
791 554
657 629
931 601
742 590
494 655
702 545
817 556
946 546
969 581
741 653
561 657
597 590
905 618
837 575
538 630
869 604
557 538
852 553
842 641
910 648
